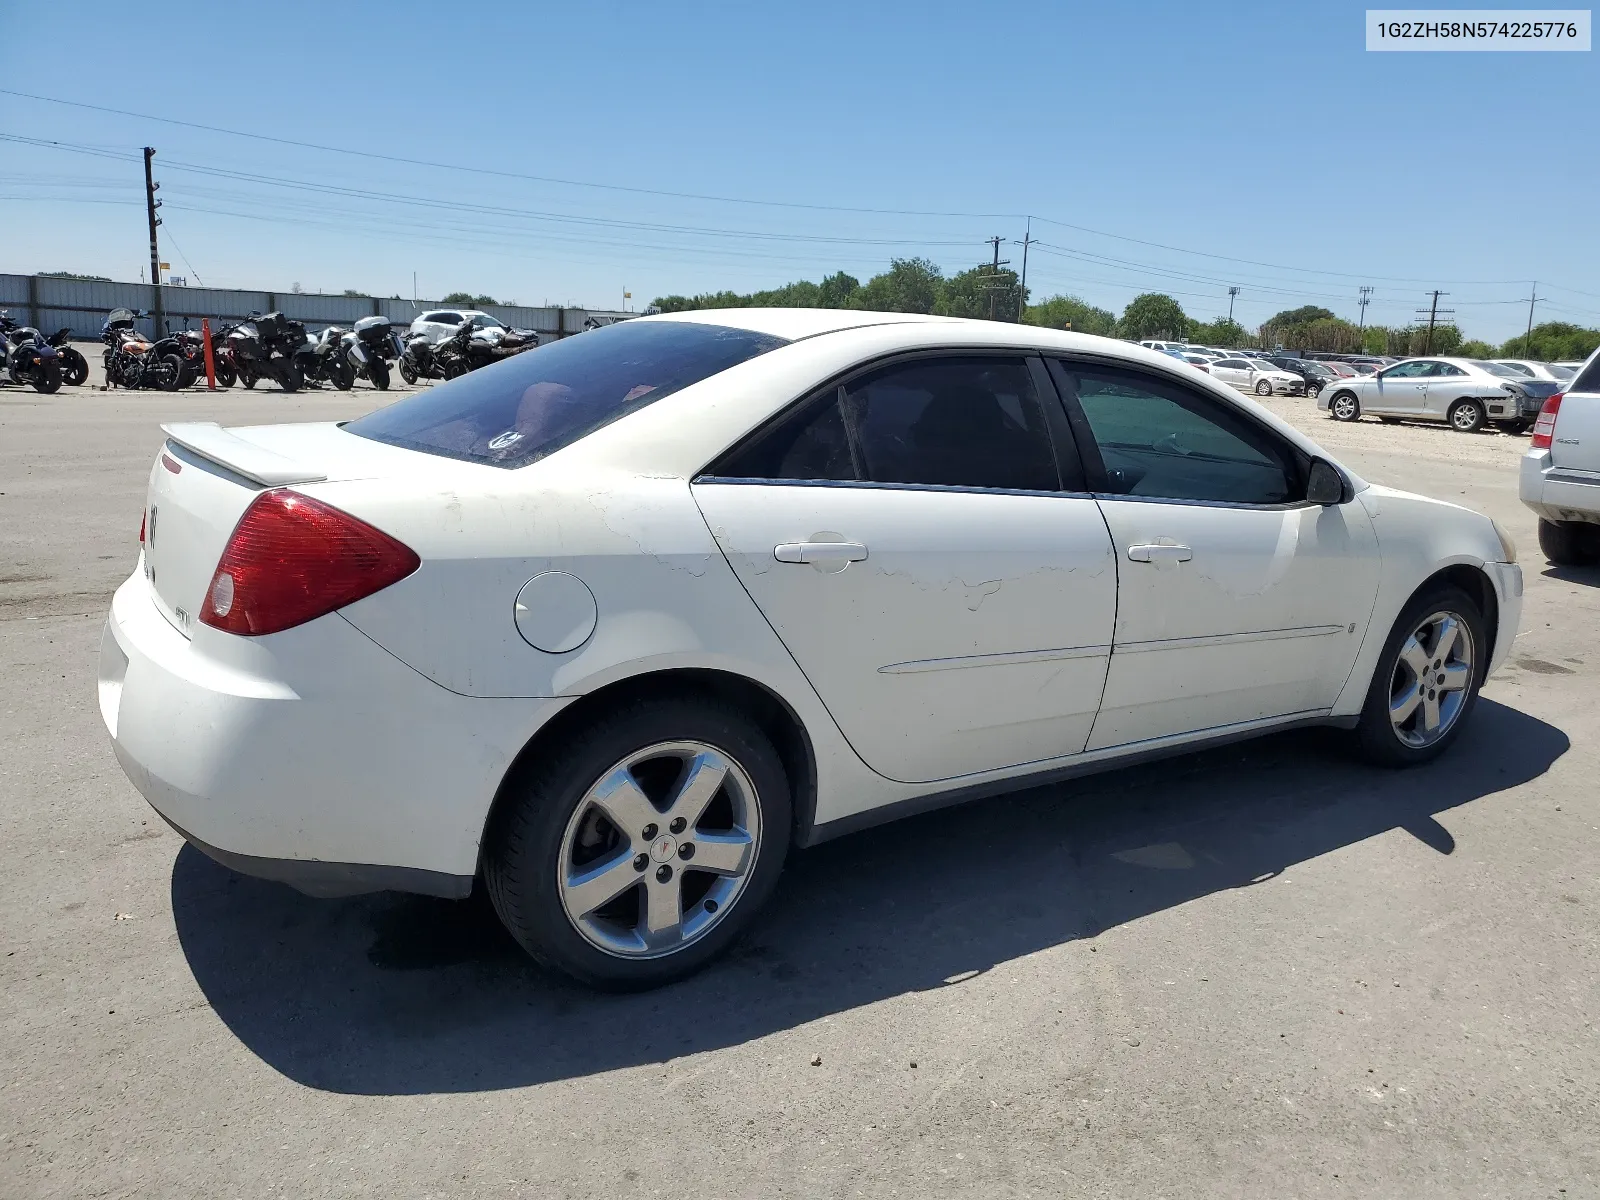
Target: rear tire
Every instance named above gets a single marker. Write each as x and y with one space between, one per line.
1445 693
169 376
48 381
1569 543
1344 407
344 374
552 830
1466 416
289 377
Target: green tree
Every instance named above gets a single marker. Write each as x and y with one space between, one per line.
465 298
1223 332
1299 316
1153 315
1552 341
1069 312
1475 349
910 285
980 292
838 290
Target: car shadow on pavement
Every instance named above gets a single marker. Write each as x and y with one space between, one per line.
394 994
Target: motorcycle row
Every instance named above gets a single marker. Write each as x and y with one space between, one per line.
274 347
263 346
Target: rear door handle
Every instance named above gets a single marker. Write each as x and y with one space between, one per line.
1159 554
810 552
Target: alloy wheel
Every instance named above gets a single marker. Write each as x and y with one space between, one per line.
1344 407
1430 683
659 849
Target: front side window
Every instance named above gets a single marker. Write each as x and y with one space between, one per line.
531 405
1407 370
1161 440
973 422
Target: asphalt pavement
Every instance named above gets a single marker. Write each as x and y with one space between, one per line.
1260 971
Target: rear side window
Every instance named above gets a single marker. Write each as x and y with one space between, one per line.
1588 379
953 422
531 405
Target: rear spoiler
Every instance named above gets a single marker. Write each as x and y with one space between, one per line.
256 463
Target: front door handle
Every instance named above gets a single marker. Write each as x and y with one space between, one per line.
1159 554
810 552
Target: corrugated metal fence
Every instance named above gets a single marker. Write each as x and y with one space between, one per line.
82 304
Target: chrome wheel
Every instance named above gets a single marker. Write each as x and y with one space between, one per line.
659 849
1467 418
1431 680
1343 407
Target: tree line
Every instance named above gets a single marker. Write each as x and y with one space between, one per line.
916 285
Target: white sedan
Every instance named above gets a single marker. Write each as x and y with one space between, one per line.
1256 375
612 625
441 323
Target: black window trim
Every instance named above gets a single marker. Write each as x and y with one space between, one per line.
1064 445
1094 464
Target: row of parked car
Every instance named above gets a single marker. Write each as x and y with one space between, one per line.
1463 392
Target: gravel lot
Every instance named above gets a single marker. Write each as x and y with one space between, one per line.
1258 971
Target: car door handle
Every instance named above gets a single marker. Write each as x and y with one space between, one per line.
810 552
1159 554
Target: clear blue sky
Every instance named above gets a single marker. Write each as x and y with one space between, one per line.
1245 132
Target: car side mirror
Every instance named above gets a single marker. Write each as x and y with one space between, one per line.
1324 484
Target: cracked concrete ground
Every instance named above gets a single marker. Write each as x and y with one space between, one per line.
1259 971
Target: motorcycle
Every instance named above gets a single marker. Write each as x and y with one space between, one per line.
30 359
270 346
129 358
418 360
327 361
370 347
470 348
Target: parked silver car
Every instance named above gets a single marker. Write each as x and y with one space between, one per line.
1466 393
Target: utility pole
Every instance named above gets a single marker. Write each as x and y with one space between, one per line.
1366 296
1232 292
993 286
150 206
1527 342
1434 313
1022 290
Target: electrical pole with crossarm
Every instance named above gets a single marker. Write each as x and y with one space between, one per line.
1434 313
150 205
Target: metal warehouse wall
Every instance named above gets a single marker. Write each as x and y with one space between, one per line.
82 304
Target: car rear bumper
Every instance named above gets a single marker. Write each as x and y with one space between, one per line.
311 756
1558 494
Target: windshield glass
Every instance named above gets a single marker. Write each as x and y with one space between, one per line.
529 406
1499 369
1561 373
484 321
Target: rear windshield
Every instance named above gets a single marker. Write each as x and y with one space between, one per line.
1499 369
518 411
1560 372
1589 380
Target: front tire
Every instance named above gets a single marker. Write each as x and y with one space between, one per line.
47 381
1467 416
75 368
1263 387
1569 543
642 846
408 372
378 373
1427 679
1344 407
344 374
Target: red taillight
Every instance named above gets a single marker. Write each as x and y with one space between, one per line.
143 516
292 559
1544 429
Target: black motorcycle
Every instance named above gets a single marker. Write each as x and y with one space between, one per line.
419 360
270 346
130 361
469 348
370 347
30 359
74 366
327 362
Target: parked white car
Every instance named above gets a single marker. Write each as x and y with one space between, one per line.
614 623
441 323
1560 477
1549 372
1466 393
1256 375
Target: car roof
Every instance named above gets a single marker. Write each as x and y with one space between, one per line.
796 323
